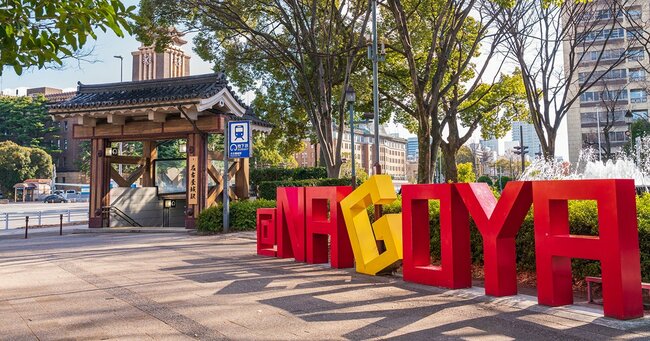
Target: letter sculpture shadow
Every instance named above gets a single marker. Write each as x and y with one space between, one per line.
616 246
363 235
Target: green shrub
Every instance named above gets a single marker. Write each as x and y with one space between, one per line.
465 172
268 189
259 175
486 179
304 173
243 215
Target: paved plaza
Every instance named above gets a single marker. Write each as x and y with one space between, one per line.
181 286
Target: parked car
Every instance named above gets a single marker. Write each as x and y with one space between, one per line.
54 198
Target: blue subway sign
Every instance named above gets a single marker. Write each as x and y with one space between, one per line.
239 139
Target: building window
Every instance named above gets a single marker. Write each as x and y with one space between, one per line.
65 125
638 96
635 54
592 56
634 33
65 144
634 13
604 34
596 96
601 75
640 114
637 75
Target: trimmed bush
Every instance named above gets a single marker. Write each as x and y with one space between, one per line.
274 174
486 179
243 215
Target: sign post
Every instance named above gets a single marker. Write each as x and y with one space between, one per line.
238 146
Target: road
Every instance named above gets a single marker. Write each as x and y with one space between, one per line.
187 287
16 212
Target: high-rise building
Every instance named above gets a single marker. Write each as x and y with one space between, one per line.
412 148
622 90
530 137
492 143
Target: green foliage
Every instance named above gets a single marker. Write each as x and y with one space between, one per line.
486 179
297 66
37 32
268 189
583 220
500 182
466 173
25 121
464 155
243 215
19 163
258 175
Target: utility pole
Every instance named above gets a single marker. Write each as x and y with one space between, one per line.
120 145
521 149
374 55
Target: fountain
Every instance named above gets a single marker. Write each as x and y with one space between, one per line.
589 167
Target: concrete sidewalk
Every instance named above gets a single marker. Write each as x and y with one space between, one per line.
179 286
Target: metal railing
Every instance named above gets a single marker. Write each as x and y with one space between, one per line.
120 214
40 218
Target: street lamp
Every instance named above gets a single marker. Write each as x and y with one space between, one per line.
121 67
350 97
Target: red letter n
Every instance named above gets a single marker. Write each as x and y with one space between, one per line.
616 246
290 217
324 218
454 271
498 223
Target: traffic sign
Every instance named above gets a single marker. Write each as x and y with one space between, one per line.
239 139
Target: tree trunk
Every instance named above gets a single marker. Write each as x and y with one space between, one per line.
607 148
435 149
424 154
449 160
334 171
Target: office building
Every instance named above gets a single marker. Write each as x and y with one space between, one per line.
622 89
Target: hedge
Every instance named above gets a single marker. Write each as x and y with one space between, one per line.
259 175
242 216
267 189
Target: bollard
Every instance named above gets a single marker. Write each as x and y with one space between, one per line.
68 215
26 225
61 225
6 221
39 218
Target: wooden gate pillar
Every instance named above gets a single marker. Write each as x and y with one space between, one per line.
149 153
99 182
197 182
242 188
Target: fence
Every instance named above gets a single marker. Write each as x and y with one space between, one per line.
40 218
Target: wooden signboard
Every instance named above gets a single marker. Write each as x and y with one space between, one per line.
192 180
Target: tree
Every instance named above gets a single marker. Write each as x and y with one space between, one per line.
301 55
435 80
269 152
19 163
25 121
465 173
38 32
465 155
538 32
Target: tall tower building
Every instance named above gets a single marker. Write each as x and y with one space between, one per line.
622 91
172 62
531 140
